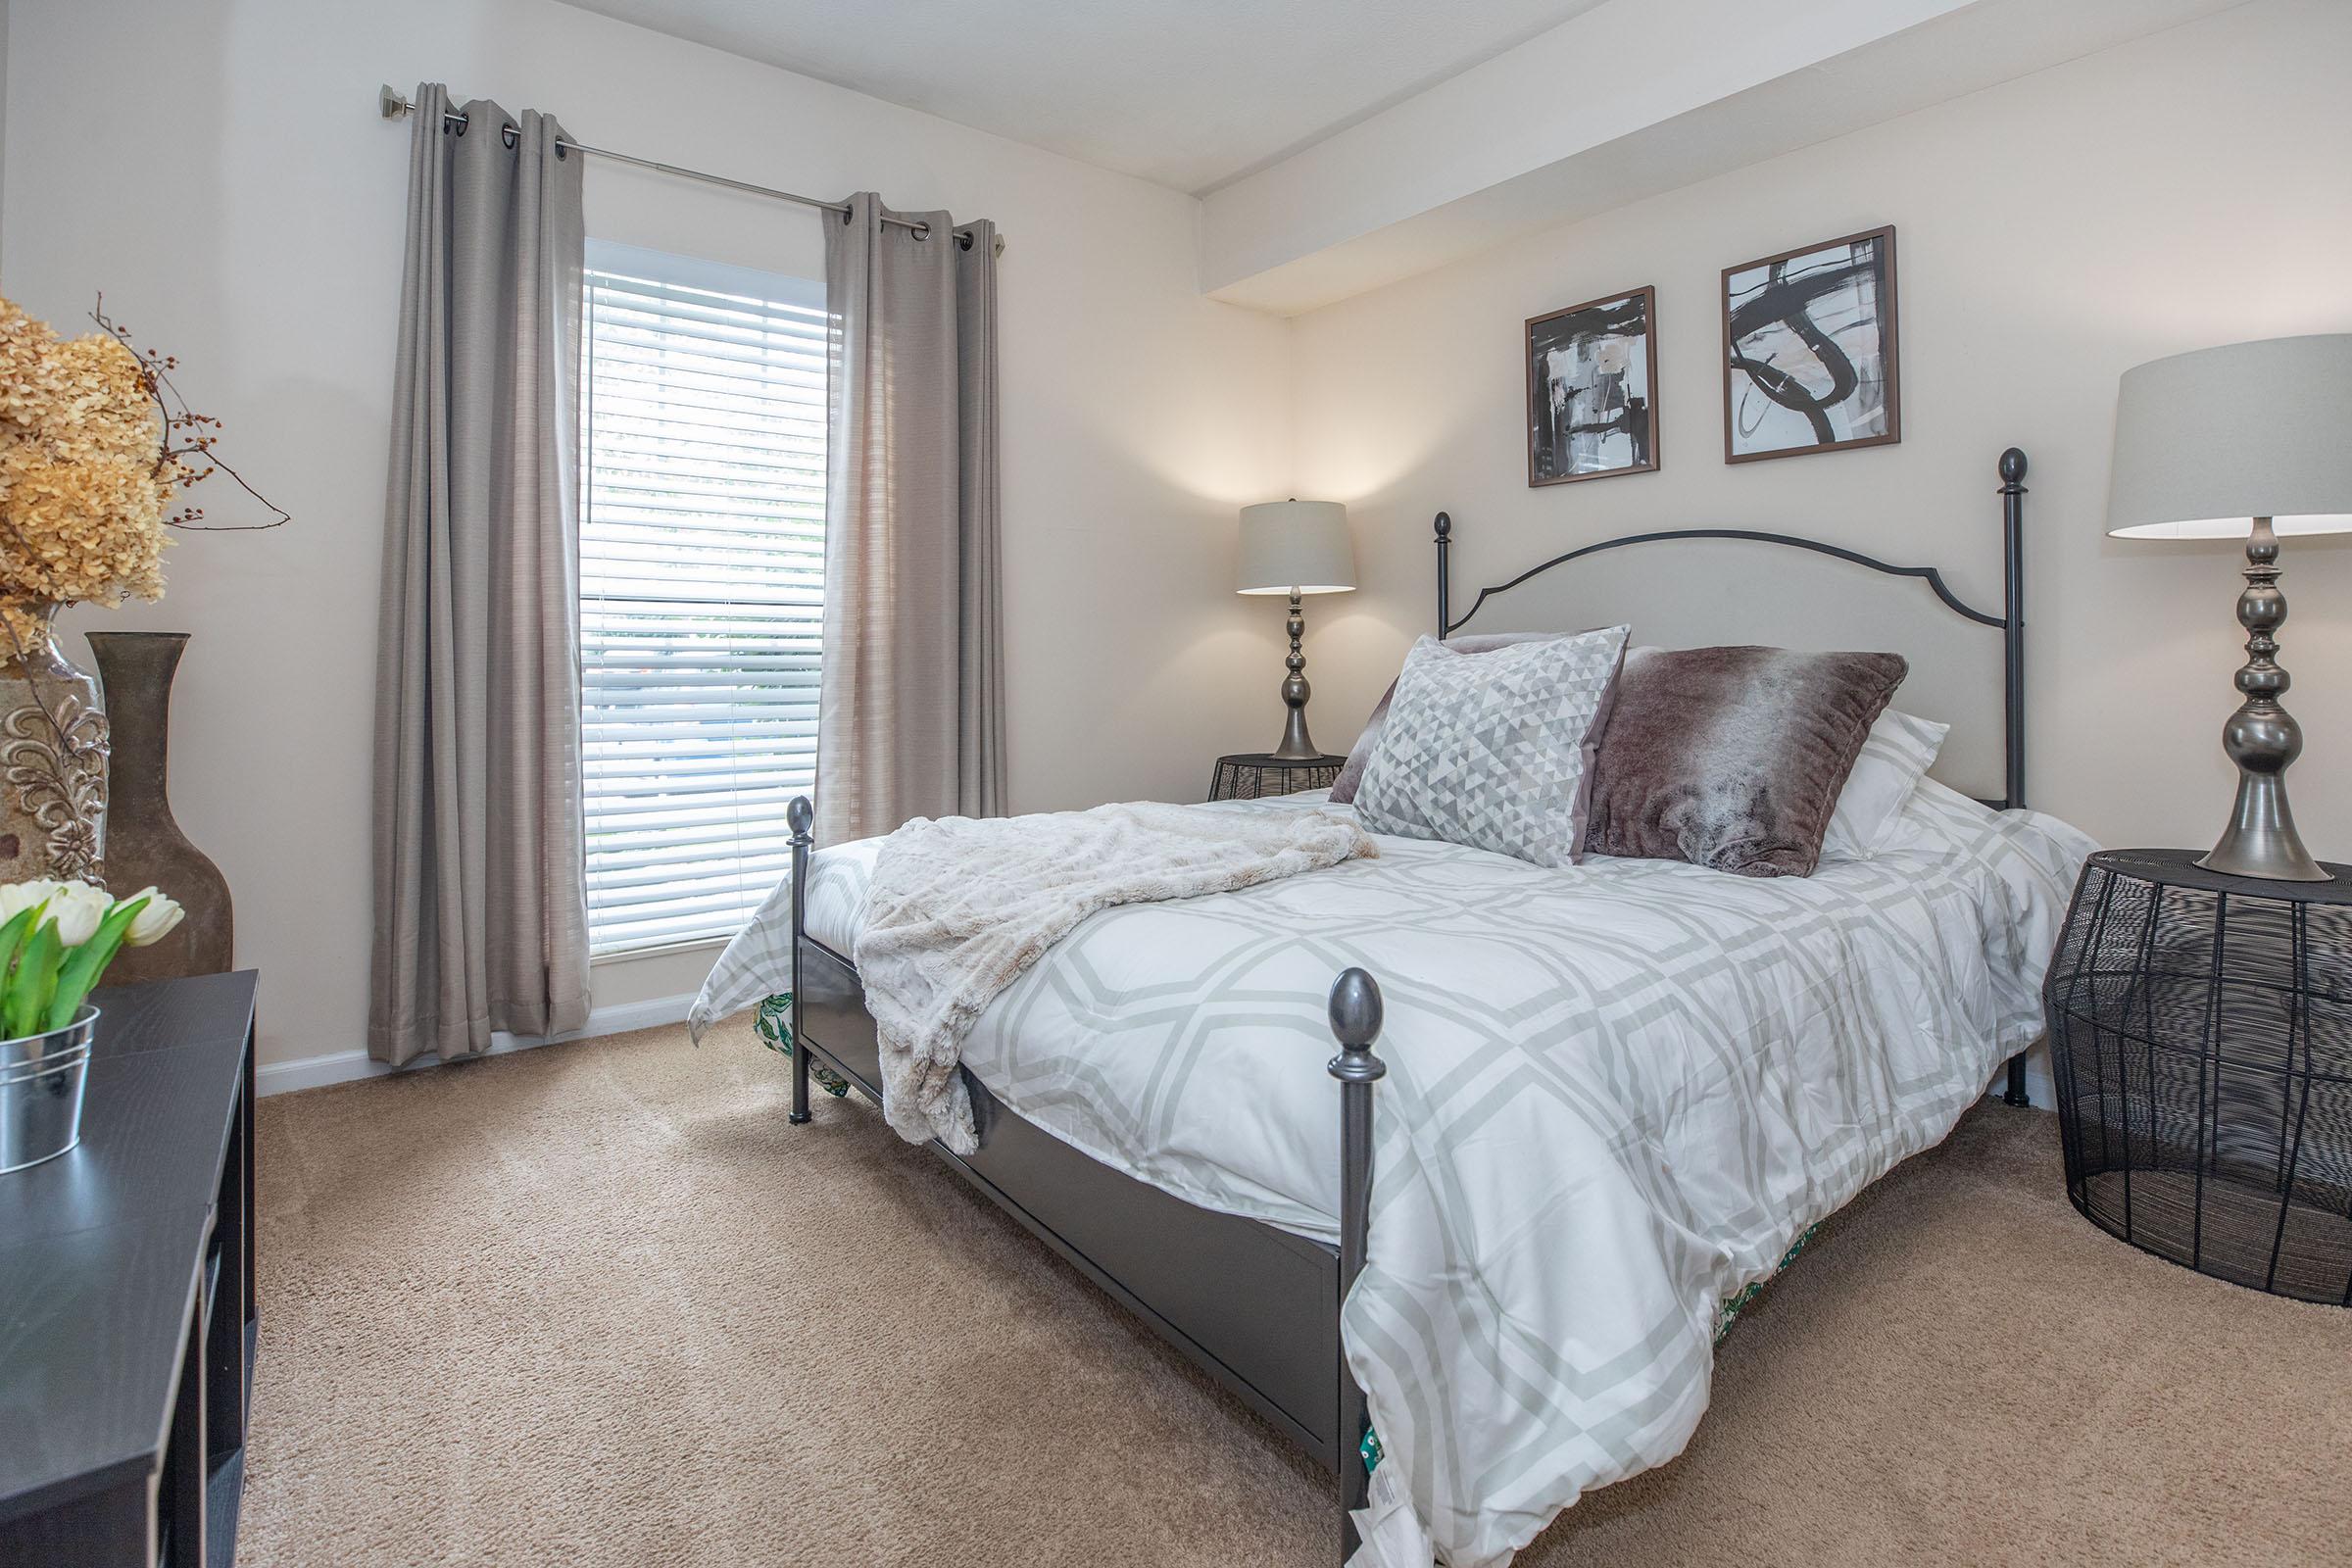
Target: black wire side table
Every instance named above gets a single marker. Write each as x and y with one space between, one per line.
1259 776
2201 1035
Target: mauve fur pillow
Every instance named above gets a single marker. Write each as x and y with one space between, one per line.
1343 787
1732 758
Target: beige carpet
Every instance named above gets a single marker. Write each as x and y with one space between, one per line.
599 1304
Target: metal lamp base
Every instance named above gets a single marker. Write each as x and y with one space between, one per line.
2263 738
2261 840
1296 747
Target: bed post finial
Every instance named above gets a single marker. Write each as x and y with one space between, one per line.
1355 1018
1444 547
2013 467
801 815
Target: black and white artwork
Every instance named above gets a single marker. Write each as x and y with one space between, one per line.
1592 380
1809 361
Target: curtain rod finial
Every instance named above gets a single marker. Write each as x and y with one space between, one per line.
390 103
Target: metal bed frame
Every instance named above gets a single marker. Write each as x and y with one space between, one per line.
1254 1306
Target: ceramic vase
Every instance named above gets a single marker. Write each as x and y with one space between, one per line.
144 845
53 746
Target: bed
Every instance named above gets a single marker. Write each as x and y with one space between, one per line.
1573 1112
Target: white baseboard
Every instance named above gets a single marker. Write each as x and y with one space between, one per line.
342 1066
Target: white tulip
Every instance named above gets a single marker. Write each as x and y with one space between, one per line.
78 908
155 922
17 897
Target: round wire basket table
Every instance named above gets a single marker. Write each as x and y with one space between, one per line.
2201 1037
1261 775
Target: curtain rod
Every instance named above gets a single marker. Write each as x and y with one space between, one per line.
393 105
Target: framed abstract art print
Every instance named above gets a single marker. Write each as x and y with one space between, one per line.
1809 350
1591 389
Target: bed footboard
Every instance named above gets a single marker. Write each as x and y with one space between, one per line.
1254 1307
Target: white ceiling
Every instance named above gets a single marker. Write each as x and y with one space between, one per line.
1190 93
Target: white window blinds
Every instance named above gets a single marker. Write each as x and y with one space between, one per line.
702 589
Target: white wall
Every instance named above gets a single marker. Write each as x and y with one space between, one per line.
217 168
2184 191
4 4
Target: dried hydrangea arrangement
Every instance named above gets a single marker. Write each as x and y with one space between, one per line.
94 444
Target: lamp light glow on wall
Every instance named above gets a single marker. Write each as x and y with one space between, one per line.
1296 547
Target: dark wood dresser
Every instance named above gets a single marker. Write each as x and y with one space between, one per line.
126 1300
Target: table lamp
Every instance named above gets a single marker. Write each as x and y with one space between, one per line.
2251 441
1296 547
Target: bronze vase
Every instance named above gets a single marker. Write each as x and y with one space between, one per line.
144 846
52 760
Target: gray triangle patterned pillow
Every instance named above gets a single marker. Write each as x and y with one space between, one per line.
1494 750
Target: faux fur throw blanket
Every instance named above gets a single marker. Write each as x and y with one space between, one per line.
960 907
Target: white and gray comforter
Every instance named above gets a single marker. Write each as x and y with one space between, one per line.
1617 1092
958 907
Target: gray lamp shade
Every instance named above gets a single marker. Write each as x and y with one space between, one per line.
1295 547
2207 442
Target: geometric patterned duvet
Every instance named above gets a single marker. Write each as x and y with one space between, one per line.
1617 1092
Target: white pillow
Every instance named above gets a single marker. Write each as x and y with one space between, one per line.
1494 749
1894 758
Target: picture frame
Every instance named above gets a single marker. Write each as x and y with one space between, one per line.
1811 358
1591 389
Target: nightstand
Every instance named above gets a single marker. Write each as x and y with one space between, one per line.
2201 1035
1256 775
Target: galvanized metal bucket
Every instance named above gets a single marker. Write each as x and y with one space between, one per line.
41 1078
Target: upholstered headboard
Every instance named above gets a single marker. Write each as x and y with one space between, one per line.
1694 587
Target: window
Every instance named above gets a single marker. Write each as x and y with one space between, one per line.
702 589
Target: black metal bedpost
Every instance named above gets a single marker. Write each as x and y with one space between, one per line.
801 815
1355 1014
2013 672
2013 621
1445 605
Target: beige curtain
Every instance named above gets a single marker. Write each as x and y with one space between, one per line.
912 715
481 917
